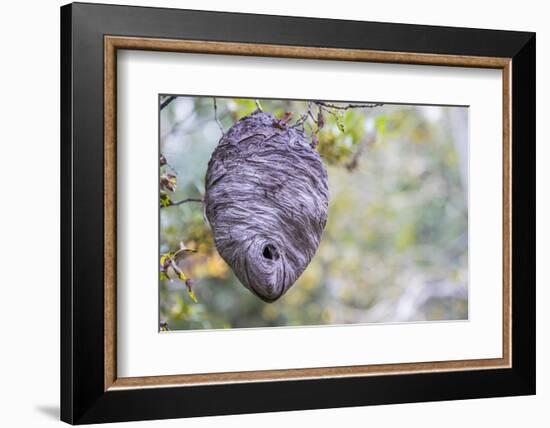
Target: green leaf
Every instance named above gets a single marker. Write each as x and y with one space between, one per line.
380 124
165 200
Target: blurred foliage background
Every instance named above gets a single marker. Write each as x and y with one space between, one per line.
395 248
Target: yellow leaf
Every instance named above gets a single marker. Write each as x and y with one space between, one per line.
192 295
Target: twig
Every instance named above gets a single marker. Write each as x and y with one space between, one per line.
303 118
216 116
348 106
196 126
183 249
258 105
167 101
166 164
328 110
183 201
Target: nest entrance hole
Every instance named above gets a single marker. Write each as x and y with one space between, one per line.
270 252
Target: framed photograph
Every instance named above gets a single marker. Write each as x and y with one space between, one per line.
266 213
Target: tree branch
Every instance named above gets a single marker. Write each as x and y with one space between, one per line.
348 106
167 101
303 118
183 201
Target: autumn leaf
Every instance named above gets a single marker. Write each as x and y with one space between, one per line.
281 123
189 284
182 275
340 123
320 120
192 296
164 326
314 140
286 117
168 182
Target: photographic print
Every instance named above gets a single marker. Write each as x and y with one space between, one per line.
281 213
334 208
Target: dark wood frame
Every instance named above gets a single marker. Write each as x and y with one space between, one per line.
90 389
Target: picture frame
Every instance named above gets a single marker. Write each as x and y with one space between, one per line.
91 390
